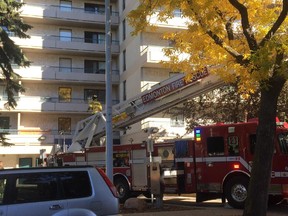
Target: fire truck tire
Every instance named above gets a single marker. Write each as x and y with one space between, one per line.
122 189
236 190
274 199
147 194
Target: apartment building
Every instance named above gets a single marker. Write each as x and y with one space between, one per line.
67 54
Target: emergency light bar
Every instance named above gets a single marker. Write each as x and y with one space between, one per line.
198 135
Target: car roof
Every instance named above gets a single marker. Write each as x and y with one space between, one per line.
44 169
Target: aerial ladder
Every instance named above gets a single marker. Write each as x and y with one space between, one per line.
160 97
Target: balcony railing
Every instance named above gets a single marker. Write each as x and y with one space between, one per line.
68 44
69 14
49 104
153 55
37 137
86 75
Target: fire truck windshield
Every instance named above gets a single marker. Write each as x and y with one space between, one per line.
283 142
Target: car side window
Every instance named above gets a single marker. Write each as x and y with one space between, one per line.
75 184
3 183
35 187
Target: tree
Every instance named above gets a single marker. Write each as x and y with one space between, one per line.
230 106
248 41
11 24
229 103
3 140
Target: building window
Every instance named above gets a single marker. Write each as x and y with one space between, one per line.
88 94
10 33
123 4
65 34
124 90
64 94
177 13
94 66
4 122
124 29
3 92
171 74
177 121
124 60
65 65
94 37
64 125
25 162
94 8
65 5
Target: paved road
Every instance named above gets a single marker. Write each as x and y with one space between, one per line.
209 208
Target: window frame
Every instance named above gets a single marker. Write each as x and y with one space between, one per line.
65 6
61 96
64 125
65 35
65 65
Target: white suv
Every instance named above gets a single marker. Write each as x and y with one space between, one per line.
57 191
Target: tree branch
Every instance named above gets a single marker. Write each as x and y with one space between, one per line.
228 24
277 24
247 30
239 57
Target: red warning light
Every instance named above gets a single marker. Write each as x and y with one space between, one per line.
236 166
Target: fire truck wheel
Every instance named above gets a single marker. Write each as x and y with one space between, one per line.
123 190
274 199
236 190
147 194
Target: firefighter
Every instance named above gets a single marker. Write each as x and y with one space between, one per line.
94 105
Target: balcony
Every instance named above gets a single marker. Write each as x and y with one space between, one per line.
71 45
51 73
48 104
178 22
54 14
34 139
151 56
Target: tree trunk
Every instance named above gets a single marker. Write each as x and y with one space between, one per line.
256 203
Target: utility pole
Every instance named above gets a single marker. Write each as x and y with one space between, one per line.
109 131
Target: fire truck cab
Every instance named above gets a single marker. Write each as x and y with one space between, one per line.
217 164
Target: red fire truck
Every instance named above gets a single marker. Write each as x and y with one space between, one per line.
218 163
133 179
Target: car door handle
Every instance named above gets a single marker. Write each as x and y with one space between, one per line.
55 207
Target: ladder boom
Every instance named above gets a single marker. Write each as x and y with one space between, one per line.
160 97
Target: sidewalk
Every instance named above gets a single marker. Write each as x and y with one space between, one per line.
199 211
177 205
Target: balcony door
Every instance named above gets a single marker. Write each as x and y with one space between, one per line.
65 65
65 5
65 35
4 122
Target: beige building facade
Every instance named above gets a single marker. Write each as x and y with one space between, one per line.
67 54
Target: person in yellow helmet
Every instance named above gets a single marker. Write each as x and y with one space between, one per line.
94 105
